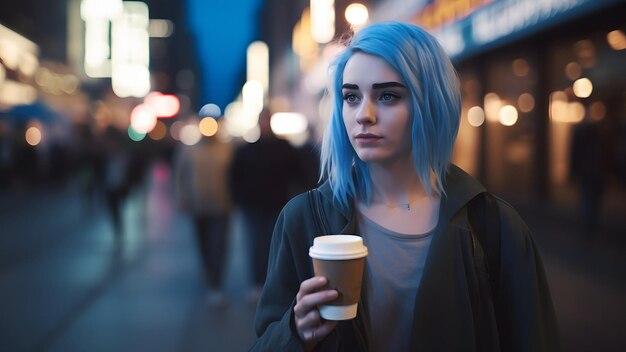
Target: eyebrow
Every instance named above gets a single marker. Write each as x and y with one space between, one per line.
387 85
375 85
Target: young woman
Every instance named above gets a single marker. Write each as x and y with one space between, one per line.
386 160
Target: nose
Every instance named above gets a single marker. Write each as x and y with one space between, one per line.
367 114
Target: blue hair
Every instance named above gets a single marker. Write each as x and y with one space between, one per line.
436 101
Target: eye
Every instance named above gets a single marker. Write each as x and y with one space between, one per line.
388 97
350 98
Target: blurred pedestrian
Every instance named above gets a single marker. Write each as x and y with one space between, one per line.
263 176
449 267
588 169
115 179
201 172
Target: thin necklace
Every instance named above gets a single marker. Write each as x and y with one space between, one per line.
403 206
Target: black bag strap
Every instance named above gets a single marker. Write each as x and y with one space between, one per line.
315 202
484 221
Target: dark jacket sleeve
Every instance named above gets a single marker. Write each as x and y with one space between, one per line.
523 305
288 266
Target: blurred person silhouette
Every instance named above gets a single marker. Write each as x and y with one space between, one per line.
450 267
115 180
6 154
263 176
588 169
201 179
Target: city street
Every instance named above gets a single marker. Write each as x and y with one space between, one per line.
68 283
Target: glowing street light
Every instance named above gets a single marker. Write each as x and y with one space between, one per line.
322 20
356 14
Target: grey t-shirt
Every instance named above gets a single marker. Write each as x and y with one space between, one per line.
393 272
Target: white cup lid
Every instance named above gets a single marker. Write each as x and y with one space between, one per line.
338 247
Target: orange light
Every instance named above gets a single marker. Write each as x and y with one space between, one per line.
159 131
33 136
208 126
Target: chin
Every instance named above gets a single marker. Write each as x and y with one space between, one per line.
368 157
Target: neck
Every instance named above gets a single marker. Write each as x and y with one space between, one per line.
396 184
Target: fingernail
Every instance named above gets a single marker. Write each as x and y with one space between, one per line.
321 279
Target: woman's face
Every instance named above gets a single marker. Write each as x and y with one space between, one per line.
377 110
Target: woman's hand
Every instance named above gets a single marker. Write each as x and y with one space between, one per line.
310 326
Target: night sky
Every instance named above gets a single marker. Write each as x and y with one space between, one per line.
223 30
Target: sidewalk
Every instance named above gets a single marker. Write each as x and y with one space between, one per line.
81 290
586 273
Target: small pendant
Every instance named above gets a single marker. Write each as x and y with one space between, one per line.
407 206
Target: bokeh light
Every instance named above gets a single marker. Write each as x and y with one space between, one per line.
520 67
356 14
175 130
597 110
134 135
143 119
616 39
573 70
163 105
476 116
210 110
526 102
288 123
190 134
33 135
159 132
583 87
208 126
507 115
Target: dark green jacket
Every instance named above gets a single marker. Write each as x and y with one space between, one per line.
448 299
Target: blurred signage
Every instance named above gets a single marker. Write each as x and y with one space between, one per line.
18 64
468 27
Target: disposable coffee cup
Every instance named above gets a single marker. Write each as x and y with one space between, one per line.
341 259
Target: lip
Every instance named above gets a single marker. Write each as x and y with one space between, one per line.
367 136
367 139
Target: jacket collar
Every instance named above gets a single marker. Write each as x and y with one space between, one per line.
459 188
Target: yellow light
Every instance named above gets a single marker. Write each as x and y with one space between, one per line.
508 115
616 39
208 126
492 104
33 136
583 87
520 67
526 102
356 14
475 116
563 111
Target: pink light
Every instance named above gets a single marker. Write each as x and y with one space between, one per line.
164 105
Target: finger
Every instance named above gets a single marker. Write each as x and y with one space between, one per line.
311 285
309 320
311 301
